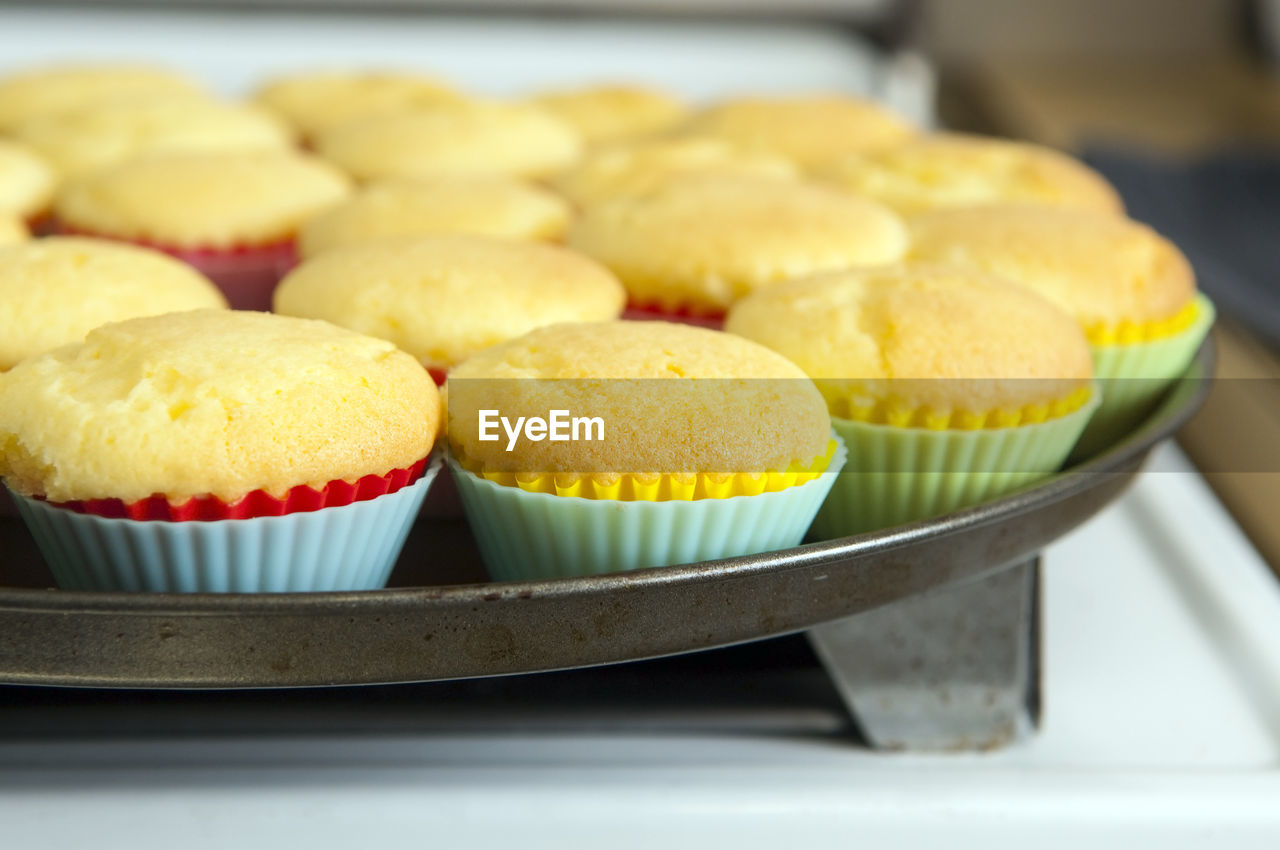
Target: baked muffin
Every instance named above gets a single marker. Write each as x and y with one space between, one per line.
949 386
614 112
1131 290
704 446
314 101
954 170
490 205
26 182
51 89
232 216
218 451
446 296
629 170
53 291
693 247
107 132
465 137
808 129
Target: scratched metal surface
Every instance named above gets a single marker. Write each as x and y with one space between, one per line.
443 621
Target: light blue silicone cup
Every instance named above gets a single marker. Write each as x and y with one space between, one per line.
524 535
352 547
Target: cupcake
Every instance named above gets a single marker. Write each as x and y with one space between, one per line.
1131 290
490 205
643 444
468 137
233 216
693 247
612 113
950 387
52 89
26 183
954 170
104 133
444 297
808 129
629 170
317 100
218 451
53 291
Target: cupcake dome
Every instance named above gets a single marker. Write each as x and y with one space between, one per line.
772 418
933 340
810 130
107 132
204 200
1107 271
12 230
620 171
953 170
315 101
701 244
26 181
53 89
490 205
211 402
518 139
443 297
611 113
53 291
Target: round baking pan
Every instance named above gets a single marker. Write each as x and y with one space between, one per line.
442 620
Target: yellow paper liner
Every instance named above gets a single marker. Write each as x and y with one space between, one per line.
1128 332
901 414
659 487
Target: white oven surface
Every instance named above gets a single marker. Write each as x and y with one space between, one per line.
1161 723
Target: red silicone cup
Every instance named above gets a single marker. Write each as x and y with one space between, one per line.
653 313
259 503
247 275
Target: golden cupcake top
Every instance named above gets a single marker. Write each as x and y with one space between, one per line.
465 137
491 205
1103 269
212 402
106 132
614 112
314 101
702 243
52 89
809 129
55 290
954 170
26 181
443 297
934 340
627 170
203 200
670 398
12 229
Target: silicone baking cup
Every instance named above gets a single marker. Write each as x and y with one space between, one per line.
1135 365
351 543
533 534
900 474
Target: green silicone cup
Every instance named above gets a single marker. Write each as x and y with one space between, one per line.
524 535
899 475
1134 378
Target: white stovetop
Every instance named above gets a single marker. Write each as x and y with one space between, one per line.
1162 625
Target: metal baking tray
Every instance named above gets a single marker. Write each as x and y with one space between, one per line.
442 620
